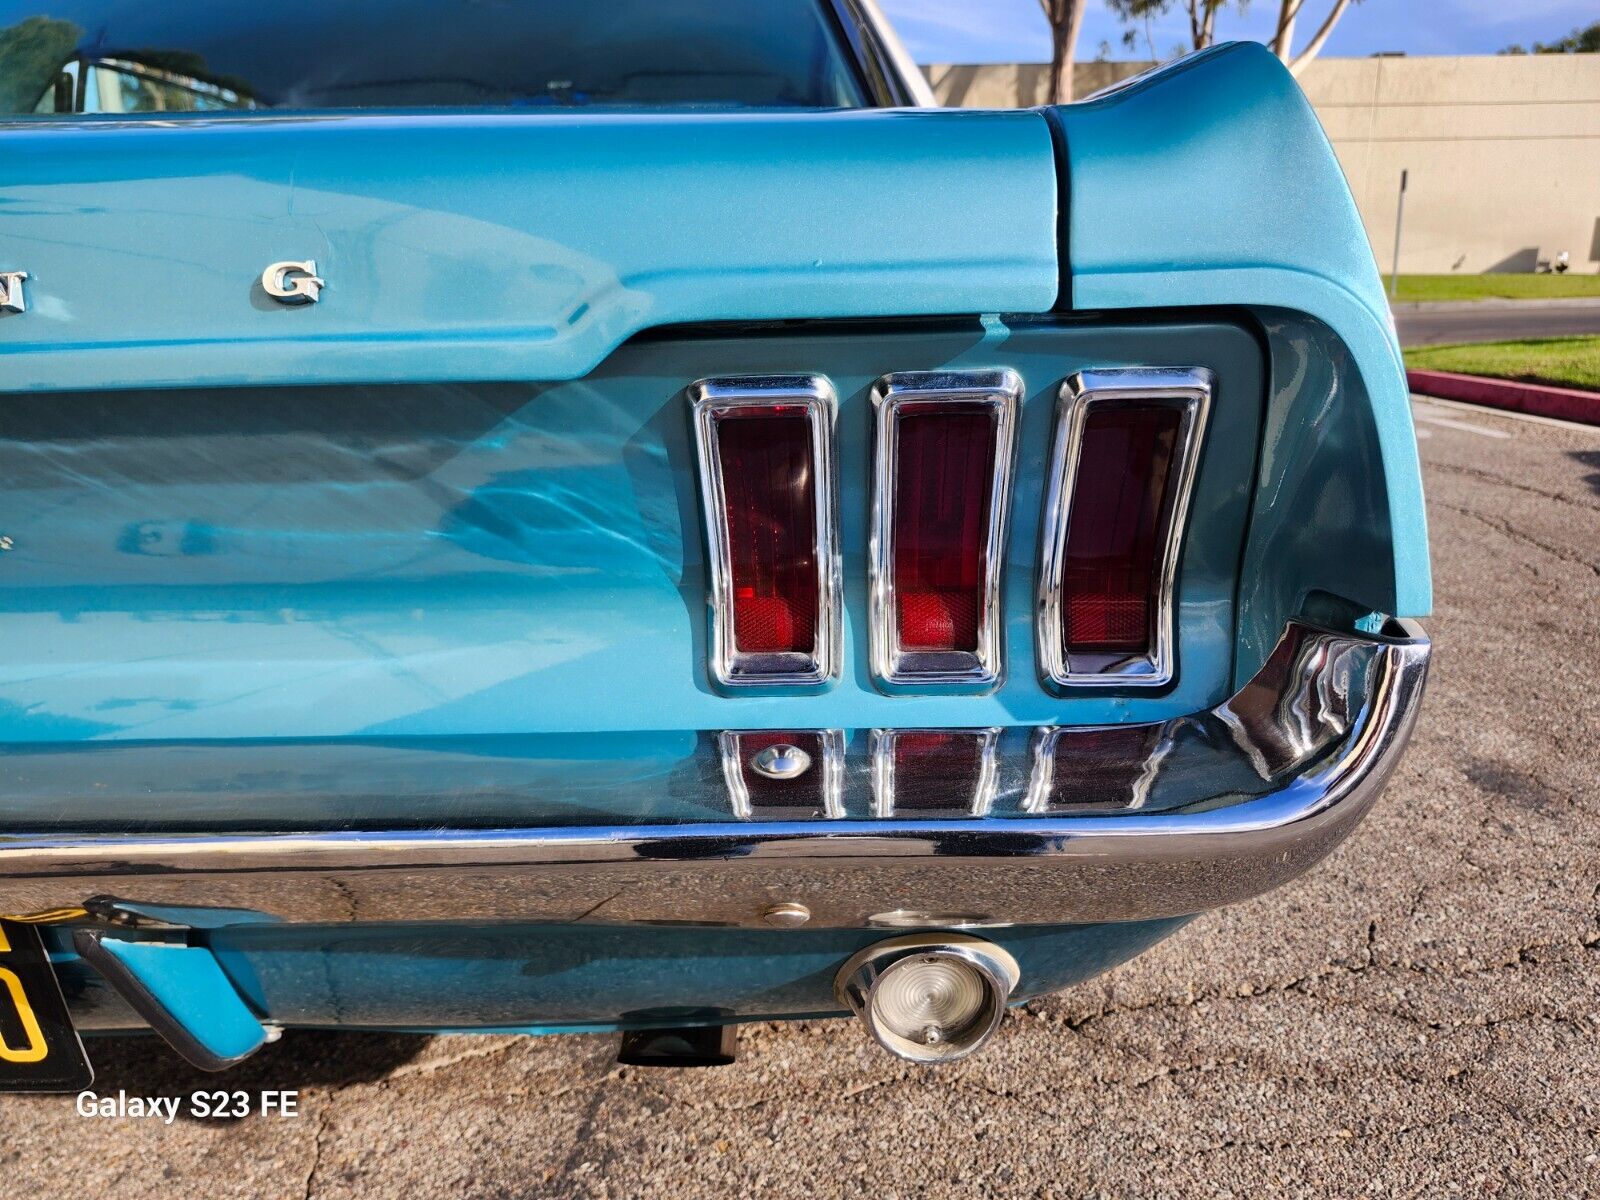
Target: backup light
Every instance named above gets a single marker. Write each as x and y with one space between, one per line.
930 998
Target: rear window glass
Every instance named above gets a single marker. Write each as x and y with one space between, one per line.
181 56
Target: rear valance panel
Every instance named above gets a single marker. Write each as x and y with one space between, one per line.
499 247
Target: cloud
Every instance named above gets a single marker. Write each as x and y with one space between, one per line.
971 30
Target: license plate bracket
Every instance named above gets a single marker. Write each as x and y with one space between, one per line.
40 1051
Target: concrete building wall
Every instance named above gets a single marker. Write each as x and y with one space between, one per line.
1503 152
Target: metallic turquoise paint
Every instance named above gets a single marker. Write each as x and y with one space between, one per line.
539 979
499 246
469 561
1321 517
1211 183
440 975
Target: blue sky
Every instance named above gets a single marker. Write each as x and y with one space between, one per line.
1014 30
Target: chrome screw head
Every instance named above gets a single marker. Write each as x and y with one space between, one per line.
781 762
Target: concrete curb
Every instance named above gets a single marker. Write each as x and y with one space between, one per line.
1492 304
1567 404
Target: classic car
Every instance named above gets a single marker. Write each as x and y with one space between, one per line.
628 518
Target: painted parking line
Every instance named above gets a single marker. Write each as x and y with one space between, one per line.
1504 414
1422 414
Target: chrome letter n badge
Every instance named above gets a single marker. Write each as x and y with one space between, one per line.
11 298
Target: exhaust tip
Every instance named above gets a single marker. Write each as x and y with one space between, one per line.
932 997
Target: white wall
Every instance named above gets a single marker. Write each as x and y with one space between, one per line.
1503 151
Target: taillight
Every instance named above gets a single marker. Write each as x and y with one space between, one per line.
767 485
934 772
941 491
1127 446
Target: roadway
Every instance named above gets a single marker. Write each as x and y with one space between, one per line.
1488 321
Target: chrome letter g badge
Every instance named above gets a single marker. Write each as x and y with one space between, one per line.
292 282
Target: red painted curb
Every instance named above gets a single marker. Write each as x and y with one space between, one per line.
1568 404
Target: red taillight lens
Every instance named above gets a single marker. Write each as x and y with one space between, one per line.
943 492
1120 505
771 514
941 489
934 772
765 444
1127 454
934 769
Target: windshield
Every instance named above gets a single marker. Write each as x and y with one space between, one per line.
175 56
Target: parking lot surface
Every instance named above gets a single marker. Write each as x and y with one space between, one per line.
1491 321
1420 1016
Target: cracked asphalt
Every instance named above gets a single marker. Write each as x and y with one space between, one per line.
1420 1016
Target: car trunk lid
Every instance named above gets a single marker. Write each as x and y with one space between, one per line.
464 247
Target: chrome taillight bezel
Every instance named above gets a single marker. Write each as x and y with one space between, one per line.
1188 389
710 399
893 666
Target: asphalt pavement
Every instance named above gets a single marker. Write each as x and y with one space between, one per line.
1495 321
1419 1016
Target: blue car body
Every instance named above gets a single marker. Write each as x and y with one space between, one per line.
426 556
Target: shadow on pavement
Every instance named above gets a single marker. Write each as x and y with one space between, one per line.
1589 458
146 1066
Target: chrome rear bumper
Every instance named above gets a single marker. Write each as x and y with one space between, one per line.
1112 823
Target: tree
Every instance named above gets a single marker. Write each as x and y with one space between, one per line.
1066 18
1203 24
31 53
1585 40
1283 44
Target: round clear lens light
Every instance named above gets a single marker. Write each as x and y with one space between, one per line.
929 999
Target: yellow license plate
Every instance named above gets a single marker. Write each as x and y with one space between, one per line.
39 1048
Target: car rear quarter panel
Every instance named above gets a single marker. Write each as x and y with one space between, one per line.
1211 183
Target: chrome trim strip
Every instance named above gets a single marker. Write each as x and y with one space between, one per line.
893 667
710 398
1187 388
831 766
894 57
984 786
1222 831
